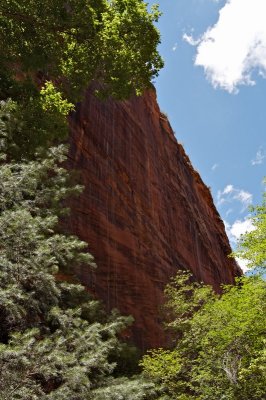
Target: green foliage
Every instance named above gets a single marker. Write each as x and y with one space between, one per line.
66 352
76 41
162 364
26 128
187 296
51 99
51 50
125 389
126 357
32 250
220 349
252 245
66 362
55 340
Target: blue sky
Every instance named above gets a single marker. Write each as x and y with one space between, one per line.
217 107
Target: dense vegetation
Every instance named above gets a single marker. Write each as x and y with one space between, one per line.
60 47
219 341
219 350
55 340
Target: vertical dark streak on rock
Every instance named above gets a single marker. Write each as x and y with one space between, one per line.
144 212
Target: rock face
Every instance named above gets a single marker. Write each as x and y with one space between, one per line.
144 212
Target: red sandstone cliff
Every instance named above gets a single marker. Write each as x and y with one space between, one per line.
144 211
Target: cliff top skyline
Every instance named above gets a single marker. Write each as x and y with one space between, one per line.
212 89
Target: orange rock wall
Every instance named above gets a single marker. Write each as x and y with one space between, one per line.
144 212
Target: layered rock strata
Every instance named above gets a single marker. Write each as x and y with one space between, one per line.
144 211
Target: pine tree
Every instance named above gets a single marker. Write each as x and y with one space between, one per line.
55 341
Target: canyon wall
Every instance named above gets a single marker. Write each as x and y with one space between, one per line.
144 212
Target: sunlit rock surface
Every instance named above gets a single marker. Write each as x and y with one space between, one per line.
144 212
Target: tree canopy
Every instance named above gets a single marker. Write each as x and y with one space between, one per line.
62 46
75 41
219 342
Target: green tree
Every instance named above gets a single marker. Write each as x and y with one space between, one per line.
75 41
219 352
252 245
55 341
62 46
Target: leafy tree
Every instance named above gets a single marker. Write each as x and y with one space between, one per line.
76 41
252 245
219 352
62 46
73 42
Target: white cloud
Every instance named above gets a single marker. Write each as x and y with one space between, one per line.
240 227
260 156
230 194
235 46
228 231
234 231
174 47
214 167
244 197
242 263
228 189
190 40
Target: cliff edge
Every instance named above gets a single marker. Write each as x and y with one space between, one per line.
144 212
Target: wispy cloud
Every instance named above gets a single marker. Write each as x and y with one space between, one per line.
228 189
190 40
230 194
235 46
260 156
174 47
228 212
244 197
214 167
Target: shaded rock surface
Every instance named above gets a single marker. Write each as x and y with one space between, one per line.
144 212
